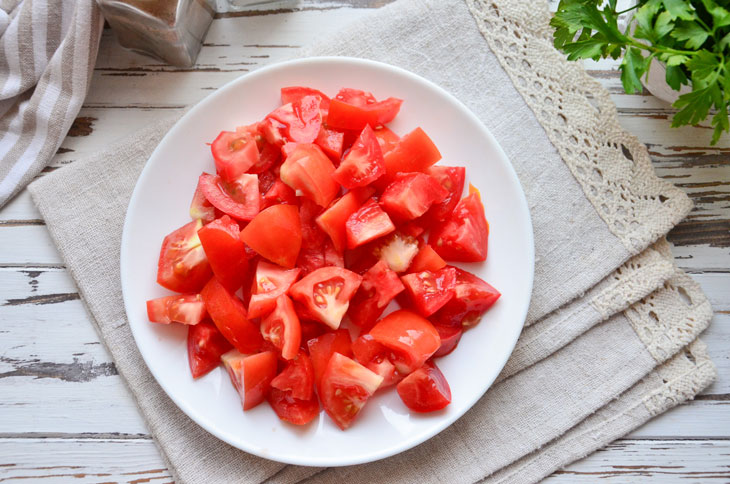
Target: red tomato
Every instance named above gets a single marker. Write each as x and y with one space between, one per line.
300 120
292 410
205 346
308 169
272 131
234 153
472 296
348 116
326 293
275 234
201 208
368 223
311 255
379 286
182 266
377 358
451 179
363 164
270 282
464 235
251 375
450 336
281 328
279 193
410 195
311 330
397 249
355 97
386 139
322 347
187 309
410 336
425 390
239 199
266 181
296 93
229 316
332 221
331 142
414 152
430 291
427 260
345 387
297 377
225 251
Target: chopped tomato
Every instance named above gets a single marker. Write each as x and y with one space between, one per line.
450 336
386 139
356 97
225 251
293 410
201 208
281 327
472 296
296 93
430 291
270 282
309 170
229 316
297 377
412 337
379 286
186 309
343 115
322 347
311 256
368 223
425 390
378 359
251 375
345 387
427 260
279 193
363 164
269 156
332 221
451 179
272 131
275 234
331 142
239 199
182 266
311 330
326 293
299 121
205 346
397 249
414 152
464 235
266 181
410 195
234 153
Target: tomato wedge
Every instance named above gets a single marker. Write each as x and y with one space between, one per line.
229 316
234 153
185 309
332 221
332 143
472 297
275 234
279 193
425 390
251 375
239 199
270 282
343 115
379 286
397 250
322 347
410 195
345 387
201 208
426 260
450 336
296 93
292 410
451 178
464 235
368 223
326 293
412 337
309 170
205 346
414 152
225 251
363 164
430 291
299 120
282 329
182 266
356 97
297 377
378 359
387 139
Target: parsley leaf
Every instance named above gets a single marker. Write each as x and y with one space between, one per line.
692 33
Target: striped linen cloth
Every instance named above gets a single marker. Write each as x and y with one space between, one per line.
47 53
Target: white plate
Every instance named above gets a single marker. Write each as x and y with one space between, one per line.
160 204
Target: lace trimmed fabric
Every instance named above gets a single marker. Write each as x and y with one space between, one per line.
579 118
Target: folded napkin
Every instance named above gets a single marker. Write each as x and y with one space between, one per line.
47 53
605 347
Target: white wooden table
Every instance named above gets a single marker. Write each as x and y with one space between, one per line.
65 414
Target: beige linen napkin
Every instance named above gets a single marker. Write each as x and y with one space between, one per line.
593 210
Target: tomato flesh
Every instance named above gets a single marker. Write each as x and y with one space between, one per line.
343 115
225 251
239 199
332 143
379 286
292 410
378 359
324 346
410 195
425 390
309 170
397 249
186 309
412 337
345 387
472 297
281 328
450 337
387 139
234 153
251 375
464 235
299 120
182 266
332 221
414 152
270 282
451 178
229 315
297 377
326 293
368 223
201 208
427 260
275 234
205 346
296 93
430 291
363 164
279 193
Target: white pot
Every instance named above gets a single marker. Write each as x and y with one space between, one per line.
657 85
